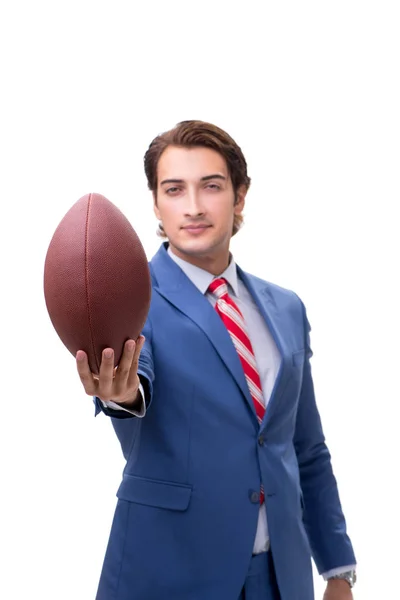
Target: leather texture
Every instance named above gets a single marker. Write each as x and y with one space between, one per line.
96 279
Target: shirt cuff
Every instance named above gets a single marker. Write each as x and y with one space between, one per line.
137 413
338 571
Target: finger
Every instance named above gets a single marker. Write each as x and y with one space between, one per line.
140 343
106 374
124 366
85 374
135 362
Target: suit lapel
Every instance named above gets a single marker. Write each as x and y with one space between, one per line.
172 283
273 317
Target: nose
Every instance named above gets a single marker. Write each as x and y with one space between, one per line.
193 206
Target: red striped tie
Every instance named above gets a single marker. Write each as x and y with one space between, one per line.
235 324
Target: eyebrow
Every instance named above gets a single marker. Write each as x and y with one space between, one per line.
205 178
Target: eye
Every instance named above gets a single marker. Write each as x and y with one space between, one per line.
213 186
172 190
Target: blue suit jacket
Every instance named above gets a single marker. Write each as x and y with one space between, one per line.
187 509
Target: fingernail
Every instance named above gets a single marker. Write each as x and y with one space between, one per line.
108 353
130 345
80 355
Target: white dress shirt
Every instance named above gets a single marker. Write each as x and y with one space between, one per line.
266 353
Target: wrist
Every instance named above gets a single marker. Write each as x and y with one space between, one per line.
338 584
130 402
341 580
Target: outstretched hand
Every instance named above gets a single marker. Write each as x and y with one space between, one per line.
119 384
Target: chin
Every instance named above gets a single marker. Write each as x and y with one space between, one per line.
194 248
197 247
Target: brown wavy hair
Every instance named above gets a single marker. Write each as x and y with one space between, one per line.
189 134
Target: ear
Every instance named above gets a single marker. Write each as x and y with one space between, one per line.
240 199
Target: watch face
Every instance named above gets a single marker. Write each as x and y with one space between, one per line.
353 578
349 576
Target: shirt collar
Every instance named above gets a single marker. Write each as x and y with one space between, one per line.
202 279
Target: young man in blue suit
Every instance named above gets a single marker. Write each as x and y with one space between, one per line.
228 488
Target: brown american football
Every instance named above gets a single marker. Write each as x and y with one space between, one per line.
97 282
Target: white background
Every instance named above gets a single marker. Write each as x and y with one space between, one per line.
310 91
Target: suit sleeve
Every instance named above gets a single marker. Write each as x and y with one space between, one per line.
323 517
146 375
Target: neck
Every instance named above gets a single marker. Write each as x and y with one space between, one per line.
214 264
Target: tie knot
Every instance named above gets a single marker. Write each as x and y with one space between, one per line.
218 287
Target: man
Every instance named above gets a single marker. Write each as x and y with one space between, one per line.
228 488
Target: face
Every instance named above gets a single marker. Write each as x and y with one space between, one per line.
195 202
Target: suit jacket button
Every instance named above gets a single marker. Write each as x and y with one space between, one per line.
261 440
254 497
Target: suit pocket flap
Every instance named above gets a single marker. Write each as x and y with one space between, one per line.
151 492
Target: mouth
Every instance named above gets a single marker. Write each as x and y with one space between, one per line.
195 227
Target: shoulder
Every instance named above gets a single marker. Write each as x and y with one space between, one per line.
274 291
284 300
273 287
